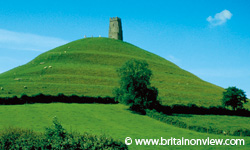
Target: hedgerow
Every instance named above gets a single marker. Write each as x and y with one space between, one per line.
164 118
41 98
55 138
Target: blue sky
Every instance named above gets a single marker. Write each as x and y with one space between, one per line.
210 39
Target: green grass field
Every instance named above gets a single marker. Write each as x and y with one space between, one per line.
88 67
222 122
112 120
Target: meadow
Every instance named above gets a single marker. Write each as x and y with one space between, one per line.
112 120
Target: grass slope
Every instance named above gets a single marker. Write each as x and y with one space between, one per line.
88 67
112 120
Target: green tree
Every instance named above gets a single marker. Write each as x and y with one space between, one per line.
234 97
135 89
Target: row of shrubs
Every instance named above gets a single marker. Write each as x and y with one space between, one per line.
55 138
41 98
177 109
194 109
164 118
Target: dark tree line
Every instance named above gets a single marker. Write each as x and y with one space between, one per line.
41 98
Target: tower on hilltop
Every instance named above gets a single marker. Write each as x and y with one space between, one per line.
115 28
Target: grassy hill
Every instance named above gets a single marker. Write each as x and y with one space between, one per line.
88 67
112 120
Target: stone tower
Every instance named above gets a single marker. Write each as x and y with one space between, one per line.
115 28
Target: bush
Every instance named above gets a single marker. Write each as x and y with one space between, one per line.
55 138
15 138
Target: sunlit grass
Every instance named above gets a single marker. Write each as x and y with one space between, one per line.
221 122
88 67
110 119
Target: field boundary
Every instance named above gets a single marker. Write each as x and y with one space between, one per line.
41 98
175 122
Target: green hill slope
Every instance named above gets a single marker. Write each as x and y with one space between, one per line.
88 67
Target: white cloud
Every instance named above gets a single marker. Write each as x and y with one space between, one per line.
220 18
27 41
